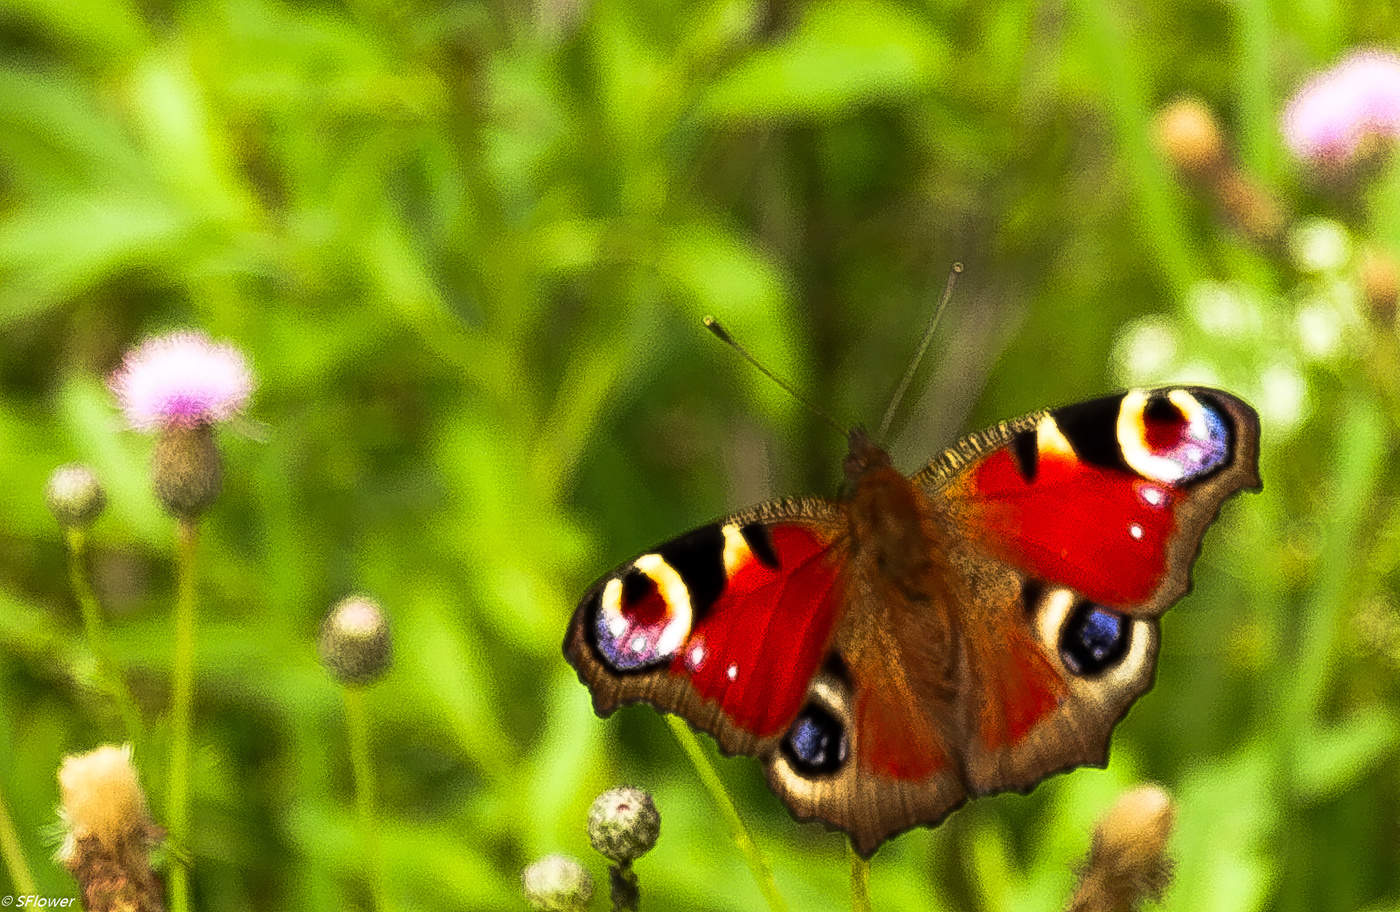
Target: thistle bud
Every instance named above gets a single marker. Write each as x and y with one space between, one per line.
108 832
1246 203
1128 863
355 643
182 384
557 883
75 496
1380 283
623 824
1188 135
187 471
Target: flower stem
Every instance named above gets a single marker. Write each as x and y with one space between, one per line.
357 719
20 875
860 880
97 639
623 888
181 698
758 865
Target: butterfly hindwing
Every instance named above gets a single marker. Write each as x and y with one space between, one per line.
888 682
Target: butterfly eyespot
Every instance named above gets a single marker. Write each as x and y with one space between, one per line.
642 618
1094 639
1172 436
816 742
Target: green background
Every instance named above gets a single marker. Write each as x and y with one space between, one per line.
466 248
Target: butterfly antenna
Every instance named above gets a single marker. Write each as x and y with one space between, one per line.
919 354
723 335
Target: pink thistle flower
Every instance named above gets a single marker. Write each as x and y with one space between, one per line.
1338 112
182 379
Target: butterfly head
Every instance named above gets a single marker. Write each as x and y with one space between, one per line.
863 456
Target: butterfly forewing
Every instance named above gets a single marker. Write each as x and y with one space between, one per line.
1108 497
725 626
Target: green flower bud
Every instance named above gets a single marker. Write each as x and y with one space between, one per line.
557 883
623 824
355 643
75 496
187 470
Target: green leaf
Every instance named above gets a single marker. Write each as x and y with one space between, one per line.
445 663
841 54
73 243
100 28
1226 811
1334 759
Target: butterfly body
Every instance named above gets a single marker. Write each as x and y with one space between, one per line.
969 629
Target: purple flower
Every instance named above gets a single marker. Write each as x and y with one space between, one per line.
1339 110
182 379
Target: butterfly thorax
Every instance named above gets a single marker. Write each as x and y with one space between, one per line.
889 519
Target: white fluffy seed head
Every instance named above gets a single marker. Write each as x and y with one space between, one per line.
557 883
102 798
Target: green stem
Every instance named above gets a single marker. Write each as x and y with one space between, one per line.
1257 110
623 889
181 698
357 719
747 847
110 670
1362 450
860 880
1360 457
20 875
1108 48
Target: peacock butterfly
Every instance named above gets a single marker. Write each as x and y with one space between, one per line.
971 629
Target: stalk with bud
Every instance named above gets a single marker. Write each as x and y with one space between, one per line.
180 386
356 649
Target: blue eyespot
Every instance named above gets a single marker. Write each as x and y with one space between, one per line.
1182 444
629 648
816 743
1094 639
633 627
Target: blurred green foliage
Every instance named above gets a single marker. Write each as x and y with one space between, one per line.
466 247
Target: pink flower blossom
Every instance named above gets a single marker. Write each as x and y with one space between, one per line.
182 379
1336 112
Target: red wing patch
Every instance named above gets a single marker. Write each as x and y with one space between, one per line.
1101 531
1022 688
1094 495
755 651
894 741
